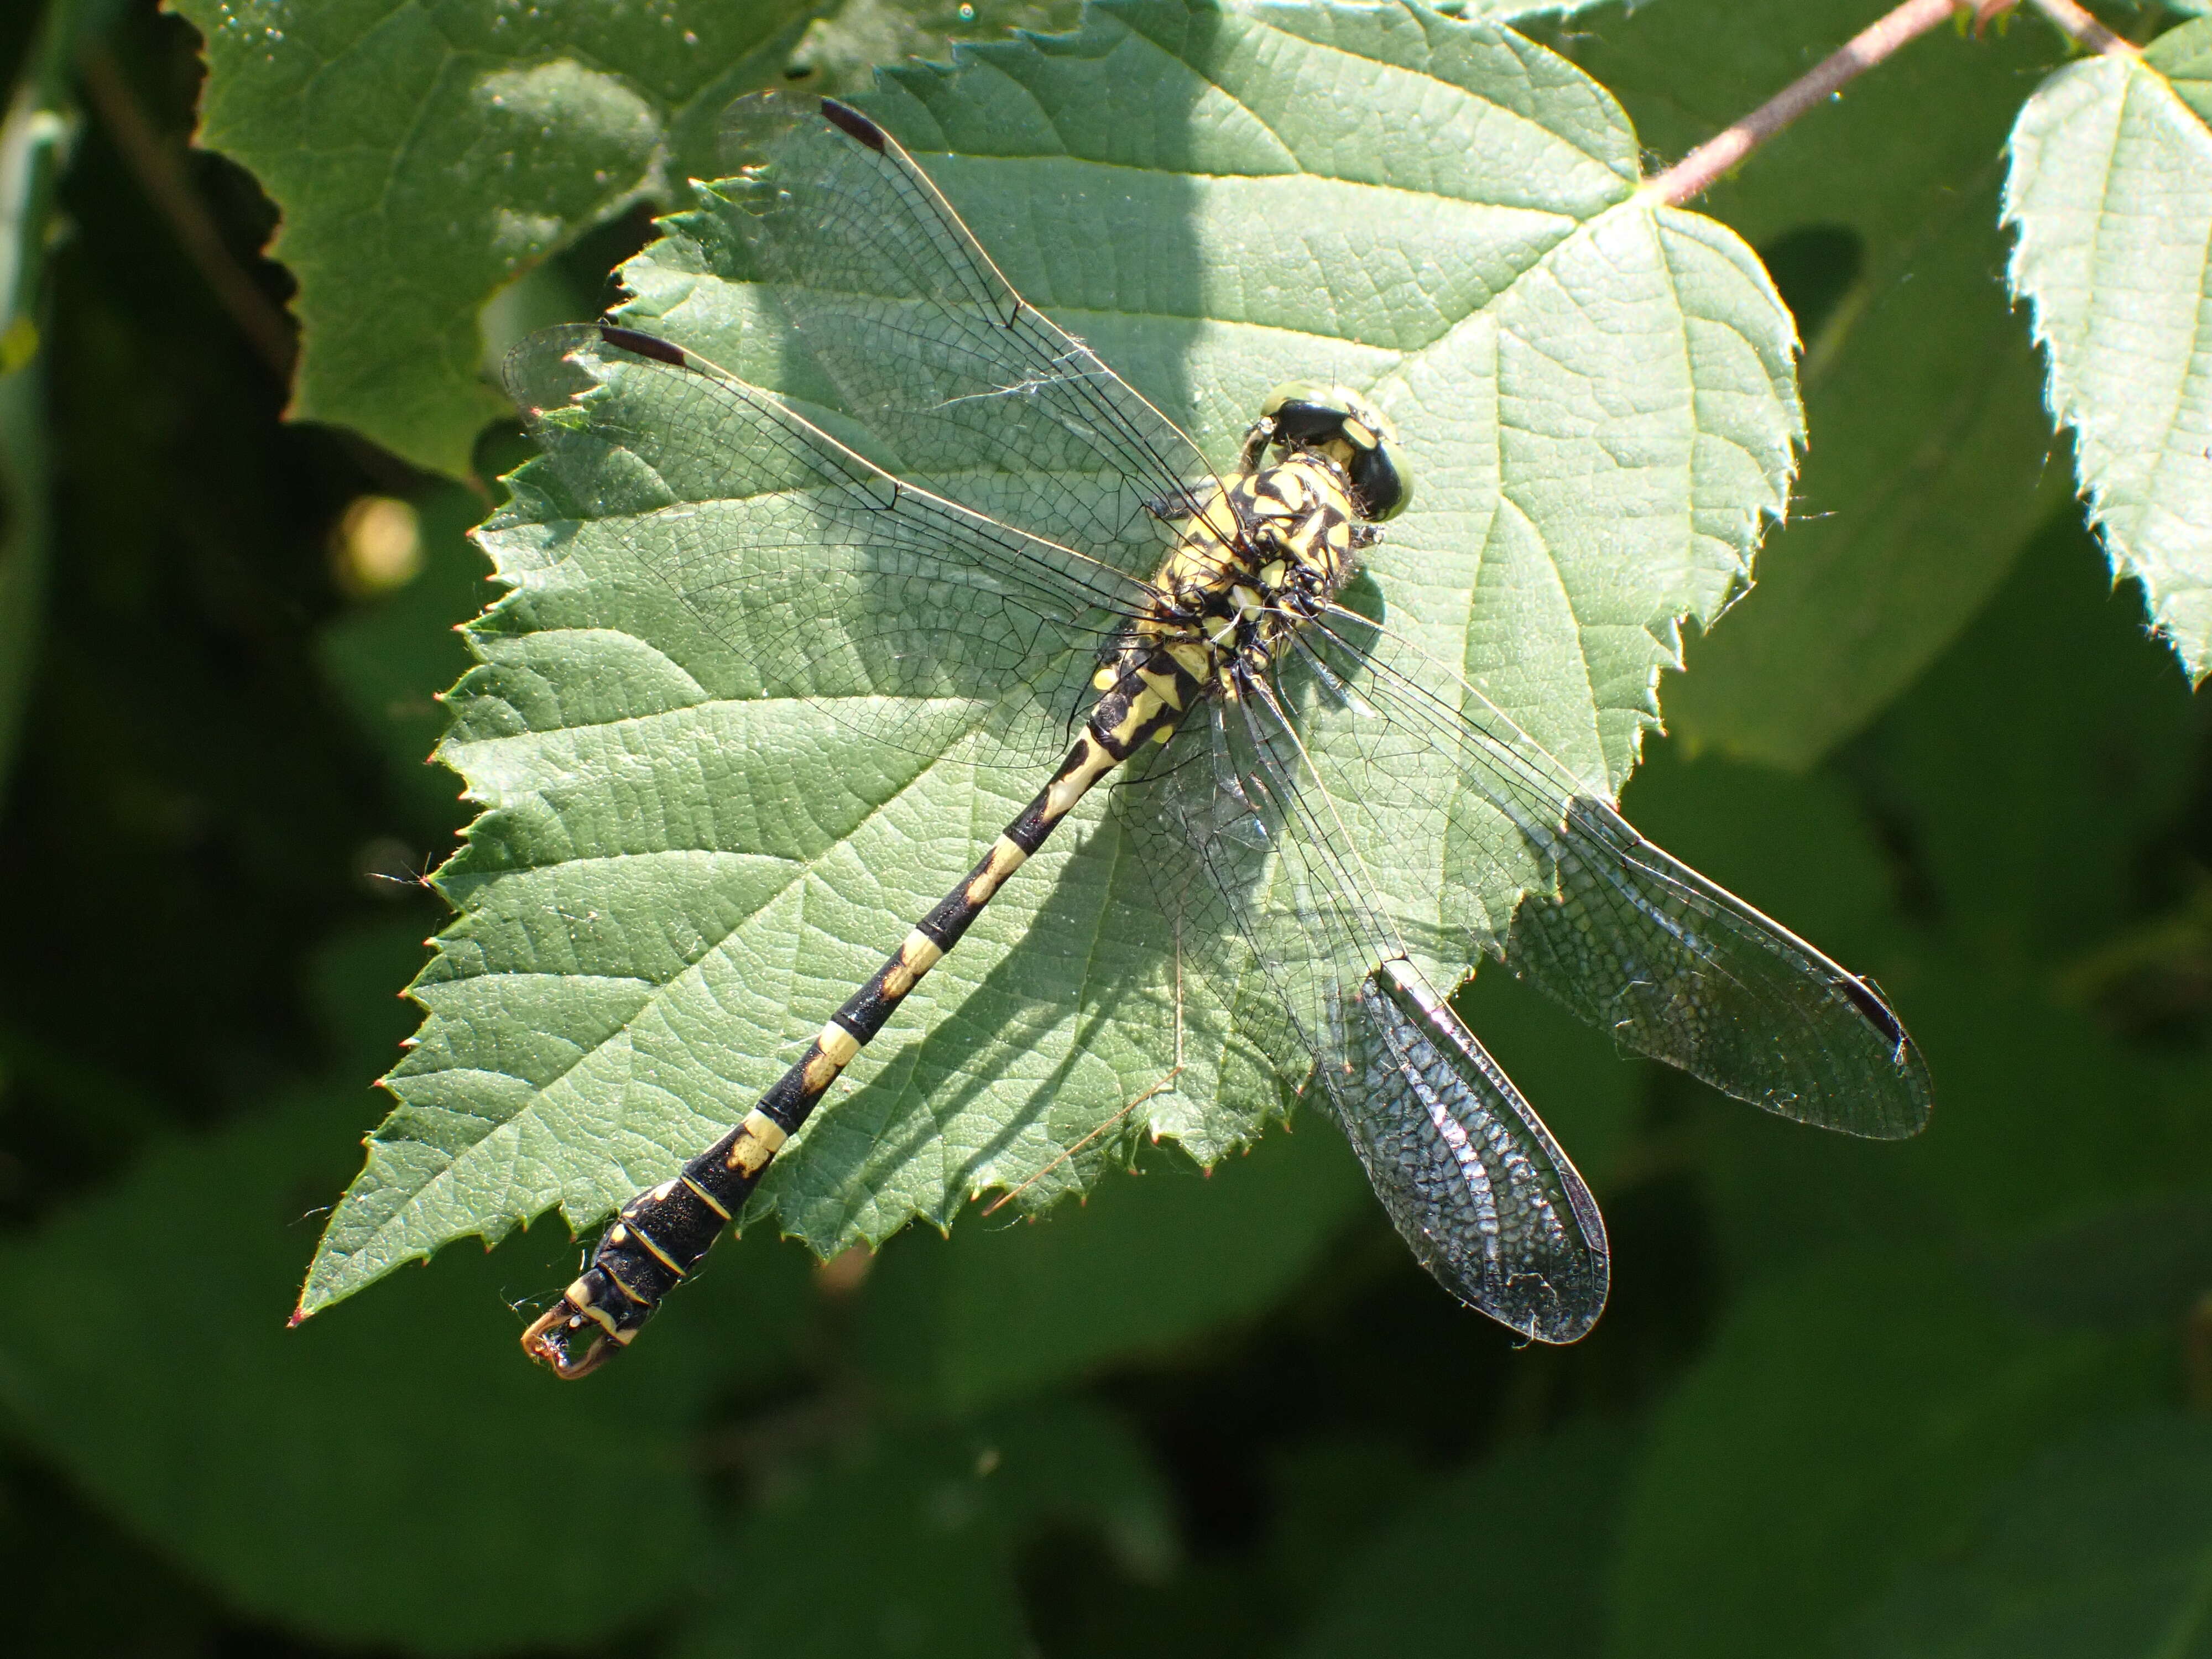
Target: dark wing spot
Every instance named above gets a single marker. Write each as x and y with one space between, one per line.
1864 999
645 345
854 125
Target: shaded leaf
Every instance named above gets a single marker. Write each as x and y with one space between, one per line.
2139 1263
2110 195
1850 1417
391 656
2103 1550
1996 829
1000 1309
321 1476
424 155
676 877
1533 1525
37 132
1804 846
2032 839
925 1528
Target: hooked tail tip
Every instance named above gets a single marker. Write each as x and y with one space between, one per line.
551 1339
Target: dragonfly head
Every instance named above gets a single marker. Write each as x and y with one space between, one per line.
1339 423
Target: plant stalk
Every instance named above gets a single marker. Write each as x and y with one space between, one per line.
1706 165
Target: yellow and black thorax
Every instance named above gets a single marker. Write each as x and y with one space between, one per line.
1258 557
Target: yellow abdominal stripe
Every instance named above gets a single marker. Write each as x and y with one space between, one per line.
705 1197
916 957
1006 859
1165 687
837 1044
760 1137
1061 798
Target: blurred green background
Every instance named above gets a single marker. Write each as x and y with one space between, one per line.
1949 1397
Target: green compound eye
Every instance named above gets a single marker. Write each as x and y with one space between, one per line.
1337 421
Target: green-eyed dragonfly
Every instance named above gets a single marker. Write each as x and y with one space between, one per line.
1193 633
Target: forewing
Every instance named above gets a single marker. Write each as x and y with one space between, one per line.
1624 934
931 347
795 568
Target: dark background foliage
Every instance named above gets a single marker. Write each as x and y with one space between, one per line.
1847 1397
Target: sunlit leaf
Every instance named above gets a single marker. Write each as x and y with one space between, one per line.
2110 195
672 885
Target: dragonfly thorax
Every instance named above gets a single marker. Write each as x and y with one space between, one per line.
1298 541
1254 565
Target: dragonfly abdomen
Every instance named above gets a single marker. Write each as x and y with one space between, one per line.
658 1239
1256 561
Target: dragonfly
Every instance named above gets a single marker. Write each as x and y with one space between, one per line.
1205 638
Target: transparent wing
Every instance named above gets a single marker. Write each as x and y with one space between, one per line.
1465 804
767 560
1470 1177
932 348
1468 1173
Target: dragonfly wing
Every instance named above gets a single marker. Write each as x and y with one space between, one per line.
1624 934
767 560
1468 1173
1678 968
1472 1179
932 348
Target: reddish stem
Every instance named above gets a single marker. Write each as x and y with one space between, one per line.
1703 166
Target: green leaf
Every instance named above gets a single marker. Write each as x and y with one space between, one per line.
320 1477
424 155
2102 1551
390 657
924 1529
2110 194
1515 11
2136 1264
2035 843
673 883
844 45
1850 1417
1926 470
1537 1516
999 1310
